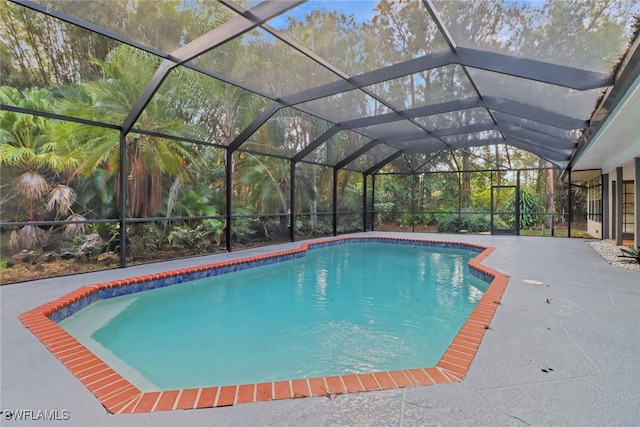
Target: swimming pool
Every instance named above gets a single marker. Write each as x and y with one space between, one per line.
119 395
350 308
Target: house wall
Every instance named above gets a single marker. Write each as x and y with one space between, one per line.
594 229
594 207
628 174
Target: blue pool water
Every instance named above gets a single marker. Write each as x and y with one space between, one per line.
350 308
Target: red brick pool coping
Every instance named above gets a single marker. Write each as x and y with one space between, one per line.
119 396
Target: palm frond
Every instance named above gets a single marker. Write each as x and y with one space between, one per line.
61 199
71 231
30 236
32 185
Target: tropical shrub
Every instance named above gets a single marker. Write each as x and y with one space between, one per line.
199 237
383 210
630 255
109 233
477 223
473 223
530 206
39 168
447 223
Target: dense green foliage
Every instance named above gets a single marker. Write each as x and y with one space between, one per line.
530 206
453 223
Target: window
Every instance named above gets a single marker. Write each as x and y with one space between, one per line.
594 199
628 199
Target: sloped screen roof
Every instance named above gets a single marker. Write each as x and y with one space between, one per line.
362 84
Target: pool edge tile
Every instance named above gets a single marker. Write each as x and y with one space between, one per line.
385 380
335 385
300 388
146 403
227 396
187 398
246 393
167 400
400 378
264 392
207 397
352 382
282 390
318 387
368 381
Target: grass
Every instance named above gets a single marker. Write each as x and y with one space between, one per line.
558 232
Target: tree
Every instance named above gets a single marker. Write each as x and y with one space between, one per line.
43 51
43 171
126 73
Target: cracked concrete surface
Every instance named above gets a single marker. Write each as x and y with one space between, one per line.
587 340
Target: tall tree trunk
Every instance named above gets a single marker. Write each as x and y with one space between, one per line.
313 185
342 186
171 201
496 202
466 180
548 196
173 196
540 178
313 199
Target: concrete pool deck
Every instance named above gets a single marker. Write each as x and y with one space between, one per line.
572 361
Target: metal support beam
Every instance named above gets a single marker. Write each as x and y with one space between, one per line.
570 207
255 125
316 143
374 169
414 191
335 202
606 215
532 113
544 130
555 156
156 81
459 197
461 130
558 75
229 197
244 22
359 152
373 201
292 203
550 142
517 205
552 156
554 152
445 107
428 4
499 104
364 202
122 177
219 35
530 69
423 164
49 115
47 10
290 42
